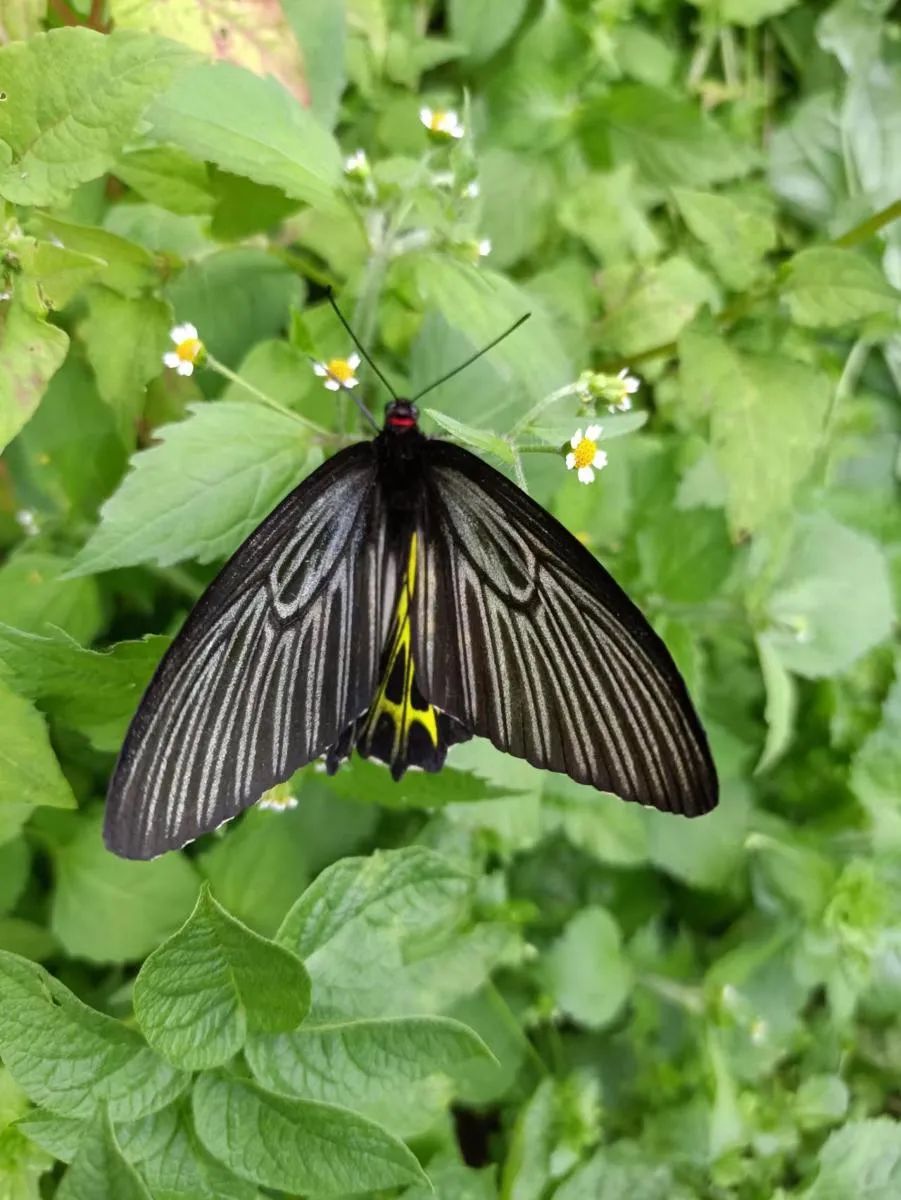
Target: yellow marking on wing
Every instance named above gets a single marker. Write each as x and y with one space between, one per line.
401 712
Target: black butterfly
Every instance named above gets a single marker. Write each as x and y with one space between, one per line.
404 597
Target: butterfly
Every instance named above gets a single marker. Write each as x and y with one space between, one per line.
405 597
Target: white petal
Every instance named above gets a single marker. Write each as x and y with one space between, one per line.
185 368
570 461
632 385
352 382
484 247
586 475
600 459
320 369
333 385
171 359
353 361
593 432
425 115
576 438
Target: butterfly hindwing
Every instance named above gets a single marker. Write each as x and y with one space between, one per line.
525 639
281 654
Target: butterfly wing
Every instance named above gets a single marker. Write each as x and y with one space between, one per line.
523 637
277 658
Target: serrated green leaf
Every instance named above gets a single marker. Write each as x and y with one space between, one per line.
49 146
860 1161
764 449
93 691
127 267
109 909
29 771
586 971
371 783
826 287
605 212
394 1070
480 439
646 307
36 596
59 273
125 340
250 126
100 1171
202 490
31 352
688 558
831 571
70 1059
296 1145
737 235
167 176
200 994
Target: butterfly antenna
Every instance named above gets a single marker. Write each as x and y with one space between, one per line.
469 361
353 337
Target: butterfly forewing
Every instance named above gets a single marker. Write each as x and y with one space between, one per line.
523 637
270 667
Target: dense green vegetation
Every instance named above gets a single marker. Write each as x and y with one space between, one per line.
516 986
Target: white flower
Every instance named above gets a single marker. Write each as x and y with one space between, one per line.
442 122
484 247
585 457
338 373
629 385
27 522
472 190
357 164
188 350
277 799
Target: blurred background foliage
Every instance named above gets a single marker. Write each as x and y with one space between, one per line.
700 192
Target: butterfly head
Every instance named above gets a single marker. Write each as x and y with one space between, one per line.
401 415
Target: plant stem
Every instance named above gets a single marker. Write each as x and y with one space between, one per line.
229 374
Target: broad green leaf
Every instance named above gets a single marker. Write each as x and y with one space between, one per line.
28 939
236 297
483 30
125 340
48 145
451 1179
799 877
618 1171
321 30
832 601
707 853
551 1134
594 821
93 691
860 1161
781 704
737 233
370 783
109 909
251 126
169 177
29 771
22 1166
645 307
826 287
480 439
59 273
36 596
614 425
200 994
31 352
586 972
876 771
127 268
821 1100
15 863
202 490
751 12
688 558
605 212
183 1170
99 1170
669 139
517 199
70 1059
253 36
296 1145
763 447
394 1070
142 1139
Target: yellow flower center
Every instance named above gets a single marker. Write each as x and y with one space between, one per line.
189 349
340 369
440 122
584 453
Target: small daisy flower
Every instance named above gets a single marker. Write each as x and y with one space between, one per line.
629 385
441 122
585 457
357 164
484 247
472 190
188 350
278 799
338 373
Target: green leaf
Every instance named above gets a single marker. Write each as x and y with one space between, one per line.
29 772
707 853
860 1161
752 12
109 909
22 1166
127 268
214 981
781 704
15 864
321 30
183 1170
37 597
876 770
647 307
169 177
202 490
737 233
832 601
58 272
605 212
99 1171
394 1070
296 1145
764 448
70 1059
369 783
49 147
125 340
31 352
688 557
450 1179
826 287
618 1171
250 126
483 30
94 692
479 439
594 821
586 971
669 139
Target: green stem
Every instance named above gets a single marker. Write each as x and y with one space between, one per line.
229 374
866 229
569 389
